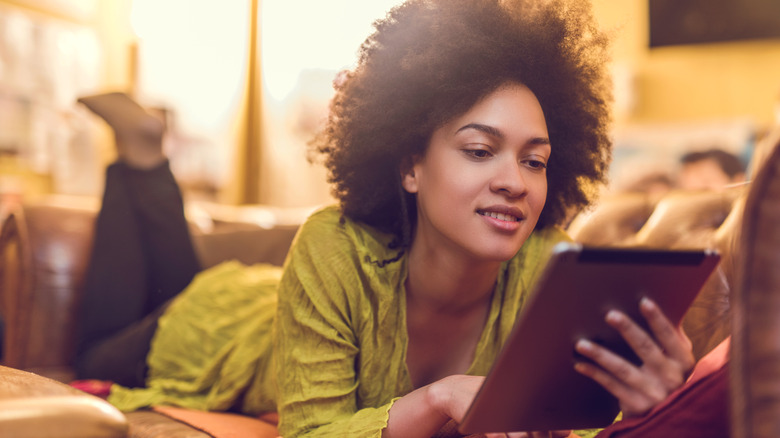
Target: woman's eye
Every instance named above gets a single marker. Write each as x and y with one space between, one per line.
477 153
536 164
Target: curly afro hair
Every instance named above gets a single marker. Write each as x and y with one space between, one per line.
429 61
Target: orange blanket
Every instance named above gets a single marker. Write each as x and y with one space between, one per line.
224 424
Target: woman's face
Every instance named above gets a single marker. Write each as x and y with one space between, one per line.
482 182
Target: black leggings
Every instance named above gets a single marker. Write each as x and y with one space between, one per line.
142 257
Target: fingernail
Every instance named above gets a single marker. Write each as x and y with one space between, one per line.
613 316
584 345
647 303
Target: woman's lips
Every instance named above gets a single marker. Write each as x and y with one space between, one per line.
503 218
500 216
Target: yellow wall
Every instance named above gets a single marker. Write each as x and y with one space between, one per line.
111 21
733 80
695 82
730 80
684 83
113 26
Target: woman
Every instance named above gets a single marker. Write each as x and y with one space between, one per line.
467 132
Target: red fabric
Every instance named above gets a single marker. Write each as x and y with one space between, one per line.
699 409
100 388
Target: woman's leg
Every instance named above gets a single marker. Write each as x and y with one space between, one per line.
142 252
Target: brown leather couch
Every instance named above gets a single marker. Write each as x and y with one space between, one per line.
44 248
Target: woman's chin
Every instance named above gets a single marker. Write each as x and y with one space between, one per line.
499 255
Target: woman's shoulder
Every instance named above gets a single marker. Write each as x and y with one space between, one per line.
328 230
331 251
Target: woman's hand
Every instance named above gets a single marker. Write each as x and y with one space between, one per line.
550 434
453 395
424 411
665 364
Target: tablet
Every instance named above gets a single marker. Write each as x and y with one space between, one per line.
533 385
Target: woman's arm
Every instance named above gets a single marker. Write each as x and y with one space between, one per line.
424 411
316 352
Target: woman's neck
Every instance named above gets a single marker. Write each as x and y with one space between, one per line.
449 282
447 305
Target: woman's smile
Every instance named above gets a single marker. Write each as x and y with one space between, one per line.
503 218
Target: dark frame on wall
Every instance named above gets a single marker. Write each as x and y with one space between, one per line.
681 22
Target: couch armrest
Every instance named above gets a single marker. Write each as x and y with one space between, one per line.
44 250
35 406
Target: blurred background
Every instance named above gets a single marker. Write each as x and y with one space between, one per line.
245 84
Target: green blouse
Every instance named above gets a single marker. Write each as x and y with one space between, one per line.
341 325
323 341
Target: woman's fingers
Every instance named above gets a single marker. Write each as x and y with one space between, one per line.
665 362
667 351
634 388
615 374
666 354
640 341
671 339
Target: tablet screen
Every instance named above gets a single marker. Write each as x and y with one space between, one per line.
533 384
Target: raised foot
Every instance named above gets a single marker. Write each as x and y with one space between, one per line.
138 134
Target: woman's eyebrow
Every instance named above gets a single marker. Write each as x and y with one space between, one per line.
540 141
495 132
487 129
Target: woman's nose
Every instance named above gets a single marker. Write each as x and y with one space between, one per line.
509 179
